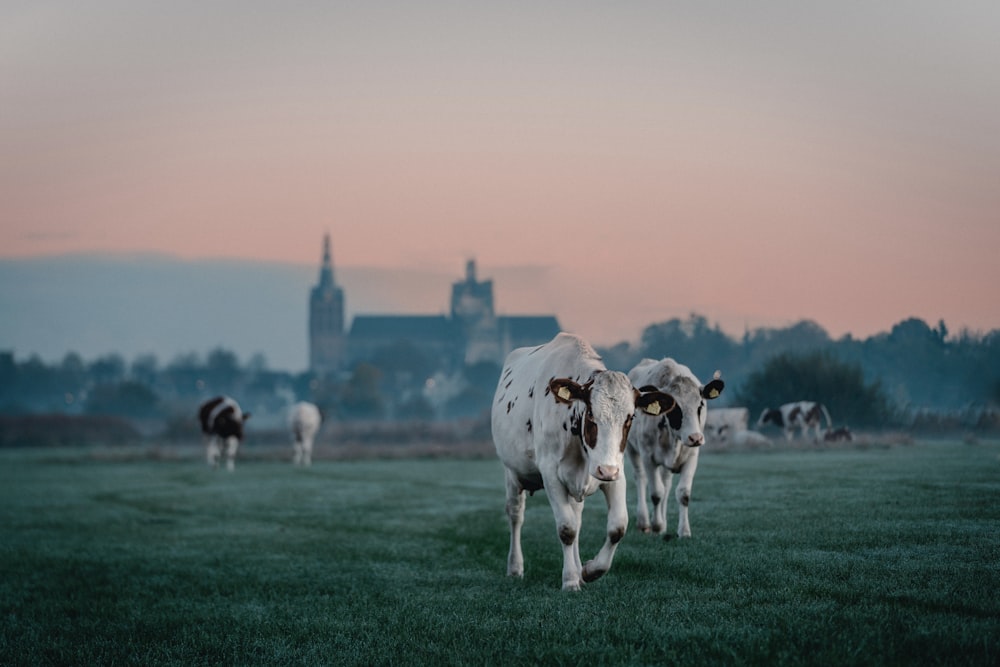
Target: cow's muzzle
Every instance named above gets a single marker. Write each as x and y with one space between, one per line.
695 440
607 473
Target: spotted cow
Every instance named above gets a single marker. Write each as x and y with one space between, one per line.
222 424
560 421
801 415
661 446
304 420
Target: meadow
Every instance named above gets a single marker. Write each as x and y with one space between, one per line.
849 556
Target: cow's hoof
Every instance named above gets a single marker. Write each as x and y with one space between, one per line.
571 585
591 573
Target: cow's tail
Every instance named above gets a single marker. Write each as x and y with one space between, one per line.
829 422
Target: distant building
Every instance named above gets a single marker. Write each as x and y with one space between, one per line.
327 342
472 333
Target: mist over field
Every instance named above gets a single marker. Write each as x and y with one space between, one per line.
129 305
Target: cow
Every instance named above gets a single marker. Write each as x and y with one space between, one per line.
222 423
560 421
304 420
723 423
842 434
661 446
802 415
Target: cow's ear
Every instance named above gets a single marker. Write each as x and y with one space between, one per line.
655 403
713 389
565 390
246 416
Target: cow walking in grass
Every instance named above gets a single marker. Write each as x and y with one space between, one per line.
800 415
560 421
222 427
304 420
663 445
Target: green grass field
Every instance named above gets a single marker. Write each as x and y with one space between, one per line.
839 557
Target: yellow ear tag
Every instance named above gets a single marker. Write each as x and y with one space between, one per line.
564 393
713 393
653 408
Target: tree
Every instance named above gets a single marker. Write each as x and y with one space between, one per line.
124 399
222 370
816 376
109 368
145 368
692 342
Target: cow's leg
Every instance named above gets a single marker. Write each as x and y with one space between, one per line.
212 451
307 452
660 479
232 444
683 494
614 493
568 513
297 448
641 512
515 517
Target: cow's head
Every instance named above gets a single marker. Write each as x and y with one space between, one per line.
607 403
684 426
770 416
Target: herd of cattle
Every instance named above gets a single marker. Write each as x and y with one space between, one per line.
563 422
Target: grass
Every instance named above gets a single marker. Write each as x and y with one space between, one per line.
876 556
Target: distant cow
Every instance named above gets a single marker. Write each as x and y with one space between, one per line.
802 415
560 420
661 445
222 424
304 420
842 434
723 423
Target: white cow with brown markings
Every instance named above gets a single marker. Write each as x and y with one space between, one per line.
560 421
661 446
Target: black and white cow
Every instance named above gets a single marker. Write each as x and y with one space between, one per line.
802 415
841 434
304 420
661 446
222 425
560 421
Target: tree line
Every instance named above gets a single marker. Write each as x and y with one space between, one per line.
879 380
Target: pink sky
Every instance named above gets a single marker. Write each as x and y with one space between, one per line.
758 164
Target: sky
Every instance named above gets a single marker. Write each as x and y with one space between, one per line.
757 163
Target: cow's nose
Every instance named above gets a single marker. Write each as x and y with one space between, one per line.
696 440
606 473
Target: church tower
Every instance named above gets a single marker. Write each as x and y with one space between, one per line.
327 340
472 309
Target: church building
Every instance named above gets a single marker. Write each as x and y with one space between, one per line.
470 334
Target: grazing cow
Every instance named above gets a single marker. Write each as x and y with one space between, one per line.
560 421
802 415
660 446
838 435
723 423
222 423
304 420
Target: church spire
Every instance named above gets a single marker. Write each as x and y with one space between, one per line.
326 269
